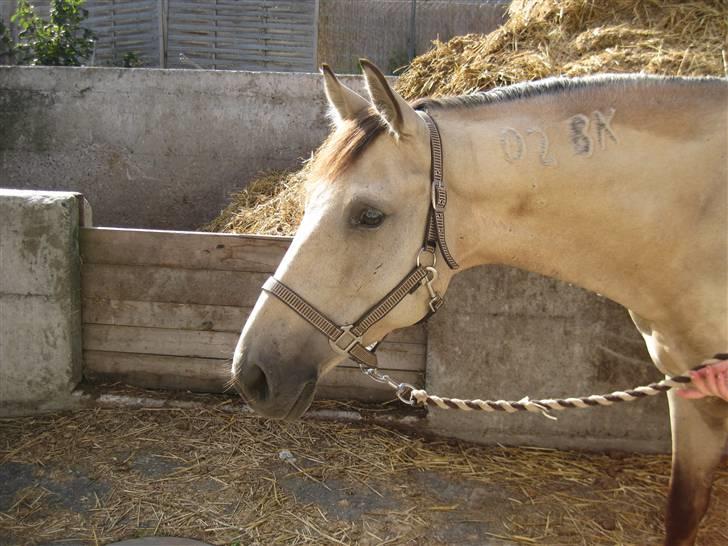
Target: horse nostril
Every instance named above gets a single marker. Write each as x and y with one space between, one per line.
254 383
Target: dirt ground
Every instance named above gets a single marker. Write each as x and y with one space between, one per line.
213 472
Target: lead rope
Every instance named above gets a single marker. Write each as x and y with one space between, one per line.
420 397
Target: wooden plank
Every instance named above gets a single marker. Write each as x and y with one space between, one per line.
211 344
212 375
181 316
156 371
191 250
220 318
240 62
170 285
159 341
241 50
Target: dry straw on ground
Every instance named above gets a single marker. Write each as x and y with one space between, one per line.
207 470
540 38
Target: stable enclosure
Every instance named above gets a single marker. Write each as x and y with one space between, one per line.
163 149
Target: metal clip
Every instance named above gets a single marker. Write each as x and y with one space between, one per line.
436 300
435 303
404 393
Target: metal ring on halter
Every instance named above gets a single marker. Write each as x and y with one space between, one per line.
425 250
404 388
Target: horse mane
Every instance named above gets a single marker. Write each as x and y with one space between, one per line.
555 85
347 143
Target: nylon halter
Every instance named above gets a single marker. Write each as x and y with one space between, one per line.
347 340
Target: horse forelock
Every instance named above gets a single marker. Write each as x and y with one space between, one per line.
346 144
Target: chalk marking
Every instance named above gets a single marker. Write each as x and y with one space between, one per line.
512 144
578 129
603 127
544 150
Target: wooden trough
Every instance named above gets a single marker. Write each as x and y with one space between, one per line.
164 309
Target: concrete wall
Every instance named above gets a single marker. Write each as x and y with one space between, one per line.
154 148
505 333
40 303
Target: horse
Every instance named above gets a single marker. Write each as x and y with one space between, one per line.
615 183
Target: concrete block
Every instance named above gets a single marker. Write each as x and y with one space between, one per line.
506 334
40 303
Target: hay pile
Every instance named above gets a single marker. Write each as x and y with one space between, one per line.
576 38
271 204
540 38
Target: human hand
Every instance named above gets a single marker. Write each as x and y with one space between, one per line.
709 381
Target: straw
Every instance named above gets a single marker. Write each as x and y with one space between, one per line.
213 472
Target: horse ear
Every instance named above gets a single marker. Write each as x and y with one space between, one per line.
396 112
344 103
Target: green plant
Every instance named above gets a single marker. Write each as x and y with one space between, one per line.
60 41
131 60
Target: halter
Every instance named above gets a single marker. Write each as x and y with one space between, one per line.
347 340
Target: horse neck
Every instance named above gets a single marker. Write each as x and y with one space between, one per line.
595 187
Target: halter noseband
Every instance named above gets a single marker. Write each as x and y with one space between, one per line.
347 340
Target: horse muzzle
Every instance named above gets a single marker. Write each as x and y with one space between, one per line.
273 395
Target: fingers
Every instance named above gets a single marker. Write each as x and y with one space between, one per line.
709 381
723 383
699 381
690 394
709 378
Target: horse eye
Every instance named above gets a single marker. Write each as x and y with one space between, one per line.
370 217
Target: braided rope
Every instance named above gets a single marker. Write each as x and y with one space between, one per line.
420 397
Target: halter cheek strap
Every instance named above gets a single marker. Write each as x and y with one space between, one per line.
435 234
347 340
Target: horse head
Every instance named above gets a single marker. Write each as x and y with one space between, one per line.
368 199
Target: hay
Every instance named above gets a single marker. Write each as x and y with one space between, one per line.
575 38
271 204
540 38
211 472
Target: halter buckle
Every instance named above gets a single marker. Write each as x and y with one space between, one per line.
342 345
439 198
